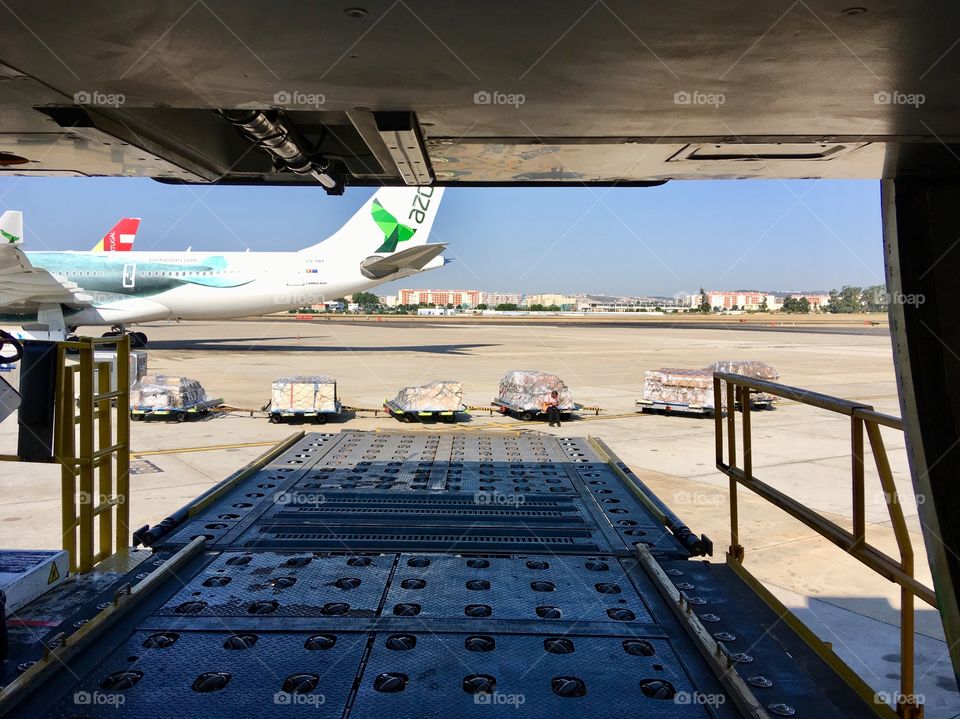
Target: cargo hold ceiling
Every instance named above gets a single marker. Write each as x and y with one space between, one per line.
494 93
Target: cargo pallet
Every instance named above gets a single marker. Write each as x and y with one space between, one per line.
293 415
423 574
648 405
398 413
528 414
179 414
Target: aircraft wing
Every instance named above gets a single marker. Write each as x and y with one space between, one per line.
24 287
416 258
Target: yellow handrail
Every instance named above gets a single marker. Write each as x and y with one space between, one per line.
87 450
736 390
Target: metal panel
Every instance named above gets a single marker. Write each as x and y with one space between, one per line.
255 494
522 674
533 587
269 584
167 679
604 93
484 493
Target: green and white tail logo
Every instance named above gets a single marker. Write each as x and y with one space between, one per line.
394 232
11 227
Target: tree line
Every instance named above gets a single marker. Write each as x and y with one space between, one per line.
849 299
858 299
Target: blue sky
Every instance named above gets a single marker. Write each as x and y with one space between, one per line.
664 240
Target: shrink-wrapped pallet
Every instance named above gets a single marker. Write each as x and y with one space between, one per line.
749 368
304 394
528 390
694 387
155 391
437 396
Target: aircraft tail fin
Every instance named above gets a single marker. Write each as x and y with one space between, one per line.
11 227
120 238
392 220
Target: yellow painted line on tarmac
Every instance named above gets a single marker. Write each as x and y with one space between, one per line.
208 448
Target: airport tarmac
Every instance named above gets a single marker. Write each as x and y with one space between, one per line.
800 450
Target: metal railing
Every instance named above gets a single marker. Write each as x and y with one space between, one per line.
95 462
863 419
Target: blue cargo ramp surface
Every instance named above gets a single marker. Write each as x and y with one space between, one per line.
434 575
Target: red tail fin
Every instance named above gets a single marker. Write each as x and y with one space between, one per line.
120 238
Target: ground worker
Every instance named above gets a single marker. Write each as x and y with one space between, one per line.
552 407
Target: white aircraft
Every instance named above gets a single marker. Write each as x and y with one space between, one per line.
51 294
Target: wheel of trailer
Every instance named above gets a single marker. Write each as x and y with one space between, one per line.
138 340
321 419
526 416
136 417
181 417
451 419
407 417
274 419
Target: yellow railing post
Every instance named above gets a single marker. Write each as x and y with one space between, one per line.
745 430
907 704
731 426
858 501
736 550
123 442
105 469
64 450
88 498
718 420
